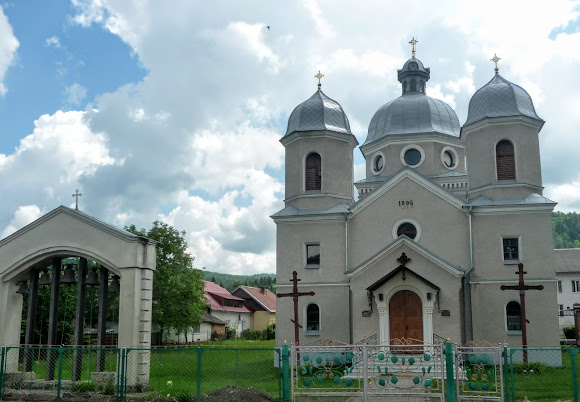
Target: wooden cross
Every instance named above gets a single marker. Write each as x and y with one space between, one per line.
295 295
522 288
319 76
403 259
495 59
77 195
413 42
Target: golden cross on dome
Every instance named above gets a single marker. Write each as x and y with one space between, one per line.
413 42
319 76
495 59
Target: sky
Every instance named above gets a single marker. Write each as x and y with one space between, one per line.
173 110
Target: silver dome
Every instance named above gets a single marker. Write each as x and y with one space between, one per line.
500 98
318 112
412 113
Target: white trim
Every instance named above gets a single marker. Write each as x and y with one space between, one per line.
497 180
512 209
389 289
317 193
507 281
413 245
399 177
305 156
373 162
511 331
401 139
409 147
407 220
452 151
316 284
305 254
498 121
305 319
296 135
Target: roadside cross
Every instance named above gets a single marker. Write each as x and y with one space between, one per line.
295 295
522 287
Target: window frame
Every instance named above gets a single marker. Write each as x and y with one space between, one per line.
511 261
404 151
306 247
453 152
407 220
504 161
312 332
575 286
513 331
560 310
312 174
559 286
374 161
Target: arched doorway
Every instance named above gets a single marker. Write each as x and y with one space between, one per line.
406 316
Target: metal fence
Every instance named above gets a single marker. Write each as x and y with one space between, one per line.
346 372
184 374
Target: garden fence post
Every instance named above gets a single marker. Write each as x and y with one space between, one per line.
59 378
285 373
573 353
2 364
199 352
506 379
450 379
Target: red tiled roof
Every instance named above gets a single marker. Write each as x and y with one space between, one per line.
266 299
567 260
218 291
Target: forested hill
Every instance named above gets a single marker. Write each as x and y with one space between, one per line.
231 282
566 229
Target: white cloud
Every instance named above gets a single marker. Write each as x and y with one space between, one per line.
23 216
75 94
53 41
8 46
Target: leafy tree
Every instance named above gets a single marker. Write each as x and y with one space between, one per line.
566 229
178 290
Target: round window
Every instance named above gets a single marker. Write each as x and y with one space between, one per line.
412 157
407 229
379 163
448 159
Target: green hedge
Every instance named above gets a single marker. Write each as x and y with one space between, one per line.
570 332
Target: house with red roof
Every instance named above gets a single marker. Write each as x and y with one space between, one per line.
262 304
227 307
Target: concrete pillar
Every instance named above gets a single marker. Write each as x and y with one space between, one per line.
11 319
102 320
79 320
31 318
53 317
135 301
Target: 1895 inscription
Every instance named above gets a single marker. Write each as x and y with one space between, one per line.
406 203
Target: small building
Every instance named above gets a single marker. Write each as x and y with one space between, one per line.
262 304
227 307
567 262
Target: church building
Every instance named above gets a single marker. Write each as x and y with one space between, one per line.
444 216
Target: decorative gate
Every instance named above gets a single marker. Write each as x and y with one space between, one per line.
368 372
479 373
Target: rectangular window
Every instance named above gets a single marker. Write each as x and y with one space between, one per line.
575 286
511 249
313 255
197 329
559 286
561 310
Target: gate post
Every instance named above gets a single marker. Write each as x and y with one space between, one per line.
2 358
450 379
573 353
506 379
285 373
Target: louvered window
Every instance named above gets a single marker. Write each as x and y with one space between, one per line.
505 160
313 172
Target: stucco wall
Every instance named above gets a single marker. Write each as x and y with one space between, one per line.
260 320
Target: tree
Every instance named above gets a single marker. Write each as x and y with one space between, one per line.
178 289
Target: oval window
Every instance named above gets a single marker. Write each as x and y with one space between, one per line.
412 157
407 229
379 163
448 159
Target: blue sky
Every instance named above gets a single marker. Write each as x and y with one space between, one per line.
173 110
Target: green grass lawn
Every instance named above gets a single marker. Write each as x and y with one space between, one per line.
551 384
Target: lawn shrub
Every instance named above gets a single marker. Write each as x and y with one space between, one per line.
84 386
264 335
109 388
186 397
529 368
569 332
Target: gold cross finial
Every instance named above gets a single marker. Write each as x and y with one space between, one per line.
495 59
413 42
319 76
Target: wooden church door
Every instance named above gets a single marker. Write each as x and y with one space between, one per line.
406 316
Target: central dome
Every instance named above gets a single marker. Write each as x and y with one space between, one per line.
413 112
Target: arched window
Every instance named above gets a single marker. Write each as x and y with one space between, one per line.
313 172
514 316
312 318
413 85
505 160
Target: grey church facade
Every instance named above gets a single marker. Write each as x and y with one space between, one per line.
443 217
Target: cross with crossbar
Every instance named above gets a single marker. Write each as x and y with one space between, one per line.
295 295
522 288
